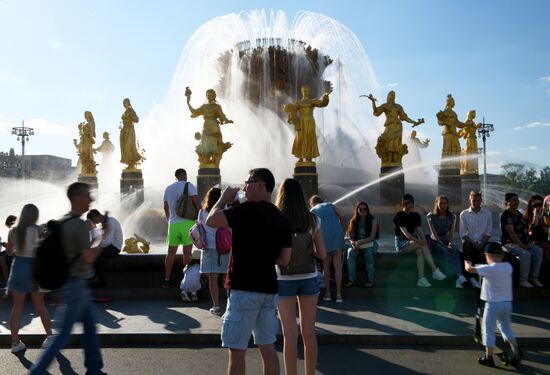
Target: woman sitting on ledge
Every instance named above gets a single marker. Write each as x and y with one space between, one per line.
442 224
362 233
409 237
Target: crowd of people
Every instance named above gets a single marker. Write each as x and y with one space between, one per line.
274 261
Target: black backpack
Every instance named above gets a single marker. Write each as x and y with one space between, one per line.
51 267
302 259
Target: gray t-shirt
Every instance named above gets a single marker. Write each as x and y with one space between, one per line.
76 238
172 194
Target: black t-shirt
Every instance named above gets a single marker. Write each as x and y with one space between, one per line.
518 222
409 220
260 230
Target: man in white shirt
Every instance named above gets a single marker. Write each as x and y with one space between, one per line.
178 227
476 225
111 243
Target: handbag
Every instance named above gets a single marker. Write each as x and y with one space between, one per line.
184 207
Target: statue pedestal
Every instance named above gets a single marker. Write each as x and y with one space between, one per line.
470 182
207 178
90 180
308 178
131 184
449 183
392 188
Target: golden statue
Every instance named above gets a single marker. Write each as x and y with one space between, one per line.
469 164
451 146
136 245
106 146
86 165
129 153
300 114
211 147
389 147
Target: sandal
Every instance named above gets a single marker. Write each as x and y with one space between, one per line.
349 284
216 311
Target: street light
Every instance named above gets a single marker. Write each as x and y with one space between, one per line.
23 133
485 132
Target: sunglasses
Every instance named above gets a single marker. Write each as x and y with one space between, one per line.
537 204
361 209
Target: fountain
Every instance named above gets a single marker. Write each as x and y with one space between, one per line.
257 62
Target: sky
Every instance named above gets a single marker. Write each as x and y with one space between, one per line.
59 58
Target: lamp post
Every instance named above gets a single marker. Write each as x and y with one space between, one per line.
23 133
485 132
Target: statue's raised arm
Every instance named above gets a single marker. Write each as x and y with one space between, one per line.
211 146
300 114
390 147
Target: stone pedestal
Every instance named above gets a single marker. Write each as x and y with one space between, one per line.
207 178
308 178
90 180
131 189
450 184
470 182
392 188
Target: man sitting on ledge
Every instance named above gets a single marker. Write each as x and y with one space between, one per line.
111 243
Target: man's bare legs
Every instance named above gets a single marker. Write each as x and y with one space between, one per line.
169 261
270 359
236 364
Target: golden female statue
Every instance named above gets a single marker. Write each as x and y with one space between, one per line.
300 114
211 146
86 165
390 148
129 153
449 120
469 163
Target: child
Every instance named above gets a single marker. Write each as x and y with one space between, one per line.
191 282
496 291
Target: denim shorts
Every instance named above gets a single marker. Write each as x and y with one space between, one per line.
249 313
301 287
21 279
400 244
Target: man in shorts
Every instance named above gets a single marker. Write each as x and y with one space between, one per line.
178 227
262 237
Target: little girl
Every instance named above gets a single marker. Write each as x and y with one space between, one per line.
191 282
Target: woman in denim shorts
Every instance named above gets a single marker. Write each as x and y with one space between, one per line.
302 288
23 239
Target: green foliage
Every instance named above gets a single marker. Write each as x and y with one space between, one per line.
518 176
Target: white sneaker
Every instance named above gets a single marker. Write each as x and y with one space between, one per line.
459 281
438 275
194 297
536 282
185 297
18 347
47 342
474 283
525 284
423 282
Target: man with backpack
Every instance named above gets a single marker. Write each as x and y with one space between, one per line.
262 237
74 292
177 195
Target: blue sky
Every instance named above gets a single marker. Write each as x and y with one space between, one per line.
59 58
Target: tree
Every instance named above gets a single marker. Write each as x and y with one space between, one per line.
518 176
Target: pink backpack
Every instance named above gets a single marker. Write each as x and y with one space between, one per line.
198 235
223 240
